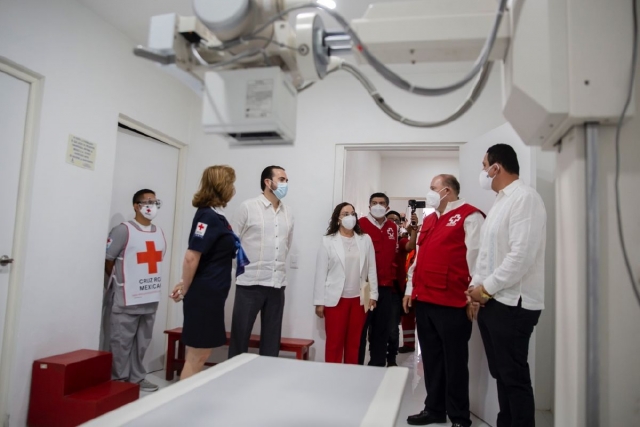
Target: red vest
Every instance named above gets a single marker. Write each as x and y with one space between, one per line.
385 243
441 274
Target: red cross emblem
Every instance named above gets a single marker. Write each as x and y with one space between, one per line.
150 257
454 220
201 228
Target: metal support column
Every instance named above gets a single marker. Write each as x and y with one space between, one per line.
593 272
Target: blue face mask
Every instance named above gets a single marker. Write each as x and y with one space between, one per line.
281 191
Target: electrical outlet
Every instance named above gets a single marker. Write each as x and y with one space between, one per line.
293 262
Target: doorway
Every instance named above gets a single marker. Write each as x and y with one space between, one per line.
20 102
403 172
147 160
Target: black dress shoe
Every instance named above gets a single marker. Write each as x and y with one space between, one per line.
391 363
404 349
425 418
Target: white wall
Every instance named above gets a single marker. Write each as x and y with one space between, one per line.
362 178
90 77
410 177
335 111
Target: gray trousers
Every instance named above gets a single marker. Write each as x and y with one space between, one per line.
127 337
248 302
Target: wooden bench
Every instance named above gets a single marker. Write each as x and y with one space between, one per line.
176 349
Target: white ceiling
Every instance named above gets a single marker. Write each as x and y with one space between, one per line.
132 17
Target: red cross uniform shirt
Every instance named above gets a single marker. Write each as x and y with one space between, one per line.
212 236
116 244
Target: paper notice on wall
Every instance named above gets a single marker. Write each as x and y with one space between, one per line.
259 98
81 153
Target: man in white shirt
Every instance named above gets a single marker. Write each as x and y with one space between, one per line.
509 282
437 281
265 227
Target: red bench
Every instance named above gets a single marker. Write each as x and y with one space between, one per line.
175 349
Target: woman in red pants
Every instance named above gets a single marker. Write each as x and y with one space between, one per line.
346 285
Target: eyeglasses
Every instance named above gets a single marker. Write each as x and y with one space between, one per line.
347 214
158 203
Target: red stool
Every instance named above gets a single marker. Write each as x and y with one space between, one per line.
73 388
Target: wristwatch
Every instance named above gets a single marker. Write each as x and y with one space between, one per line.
486 295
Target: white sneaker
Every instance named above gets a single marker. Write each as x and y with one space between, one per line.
147 386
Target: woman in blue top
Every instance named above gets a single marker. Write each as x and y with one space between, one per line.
206 271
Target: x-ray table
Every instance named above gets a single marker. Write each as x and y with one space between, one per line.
251 390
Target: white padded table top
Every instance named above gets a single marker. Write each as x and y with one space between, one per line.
251 390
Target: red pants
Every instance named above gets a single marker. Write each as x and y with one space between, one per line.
344 324
409 329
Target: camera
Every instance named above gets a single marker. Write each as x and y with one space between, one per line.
414 204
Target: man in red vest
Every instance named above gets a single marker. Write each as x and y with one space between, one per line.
384 234
406 243
446 255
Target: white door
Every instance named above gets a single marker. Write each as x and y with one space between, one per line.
143 162
483 394
14 99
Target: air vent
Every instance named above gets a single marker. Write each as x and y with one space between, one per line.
257 137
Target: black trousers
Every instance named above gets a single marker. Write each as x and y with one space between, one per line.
506 332
394 331
444 334
248 302
378 328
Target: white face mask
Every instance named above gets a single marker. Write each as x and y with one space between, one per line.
378 211
434 199
348 222
485 179
402 231
149 211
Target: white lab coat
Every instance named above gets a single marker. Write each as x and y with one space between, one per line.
330 269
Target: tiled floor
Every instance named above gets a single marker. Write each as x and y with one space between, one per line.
412 401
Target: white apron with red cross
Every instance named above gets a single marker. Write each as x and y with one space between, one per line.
142 266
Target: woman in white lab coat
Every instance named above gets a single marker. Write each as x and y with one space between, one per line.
345 283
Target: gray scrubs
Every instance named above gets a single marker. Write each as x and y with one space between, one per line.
126 331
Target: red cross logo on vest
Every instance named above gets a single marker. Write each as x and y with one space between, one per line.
150 257
454 220
200 227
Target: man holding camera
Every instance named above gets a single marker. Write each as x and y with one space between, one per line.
406 243
448 246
